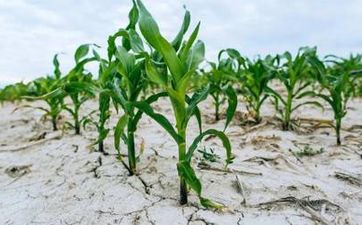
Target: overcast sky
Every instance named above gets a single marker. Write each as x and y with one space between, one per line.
32 31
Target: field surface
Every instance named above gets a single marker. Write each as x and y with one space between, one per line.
277 177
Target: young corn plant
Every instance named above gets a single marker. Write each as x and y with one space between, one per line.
106 77
181 64
126 82
104 99
220 79
41 87
78 85
253 78
13 92
127 87
338 83
352 63
296 75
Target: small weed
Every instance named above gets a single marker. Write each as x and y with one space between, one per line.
307 151
208 155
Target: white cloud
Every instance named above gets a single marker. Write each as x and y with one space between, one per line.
32 31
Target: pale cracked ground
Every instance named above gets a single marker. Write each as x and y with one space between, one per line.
63 181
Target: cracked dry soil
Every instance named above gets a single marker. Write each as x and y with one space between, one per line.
61 180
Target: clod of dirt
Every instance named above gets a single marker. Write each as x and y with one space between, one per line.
38 137
17 171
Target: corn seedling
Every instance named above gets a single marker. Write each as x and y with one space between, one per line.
107 77
121 80
253 78
103 104
220 79
41 87
181 63
296 75
13 92
339 83
352 63
78 85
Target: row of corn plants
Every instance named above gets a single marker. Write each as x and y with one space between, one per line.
142 66
306 79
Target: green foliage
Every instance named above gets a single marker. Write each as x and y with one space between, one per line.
296 74
121 80
220 78
172 67
208 155
308 151
13 92
44 85
338 83
140 68
78 85
255 77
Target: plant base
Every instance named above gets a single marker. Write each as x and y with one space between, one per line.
183 192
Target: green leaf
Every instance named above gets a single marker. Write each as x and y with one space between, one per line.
232 104
102 136
160 119
136 41
133 17
126 61
271 92
154 75
151 33
32 107
329 100
219 134
112 42
192 108
194 112
53 94
210 204
80 86
119 131
186 50
307 93
186 172
81 52
315 103
57 72
139 113
196 55
176 43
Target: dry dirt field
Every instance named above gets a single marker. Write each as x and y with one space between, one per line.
51 177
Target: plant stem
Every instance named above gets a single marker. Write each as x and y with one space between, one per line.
101 146
180 112
76 123
76 118
288 111
54 122
338 130
183 192
183 185
131 153
217 105
181 157
257 114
